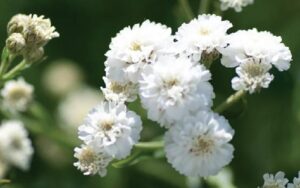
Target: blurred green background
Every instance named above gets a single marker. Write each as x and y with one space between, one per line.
267 135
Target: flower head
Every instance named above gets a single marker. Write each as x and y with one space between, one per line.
119 92
251 45
198 145
134 47
202 36
15 146
17 95
173 87
237 5
15 43
277 181
112 127
252 76
91 161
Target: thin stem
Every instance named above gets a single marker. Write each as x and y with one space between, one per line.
16 70
230 101
187 9
150 145
129 160
204 6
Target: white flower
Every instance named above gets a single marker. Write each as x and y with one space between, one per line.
119 92
277 181
296 182
17 95
173 87
62 77
133 48
236 4
198 146
15 146
113 127
39 31
202 35
73 109
252 76
91 161
251 45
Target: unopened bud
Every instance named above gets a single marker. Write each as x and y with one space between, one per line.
17 24
34 55
15 43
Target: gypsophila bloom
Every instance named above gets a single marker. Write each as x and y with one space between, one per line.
133 48
15 43
237 5
252 76
15 146
91 161
173 87
62 77
277 181
119 92
202 36
198 145
17 95
74 107
296 182
251 45
112 127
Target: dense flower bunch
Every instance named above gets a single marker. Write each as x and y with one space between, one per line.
279 181
171 77
237 5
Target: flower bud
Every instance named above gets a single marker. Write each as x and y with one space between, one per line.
15 43
34 55
17 24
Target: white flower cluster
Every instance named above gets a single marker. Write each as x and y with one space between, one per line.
17 95
146 61
15 146
28 34
237 5
279 181
254 53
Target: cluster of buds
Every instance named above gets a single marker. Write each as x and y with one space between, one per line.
28 34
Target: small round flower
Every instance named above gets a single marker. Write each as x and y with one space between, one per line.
119 92
15 146
17 24
39 31
198 146
251 45
202 36
61 77
91 161
173 87
111 126
277 181
237 5
74 107
134 47
17 95
15 43
296 182
252 76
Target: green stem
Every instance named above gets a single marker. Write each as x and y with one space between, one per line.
187 9
204 7
127 161
15 71
230 101
150 145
